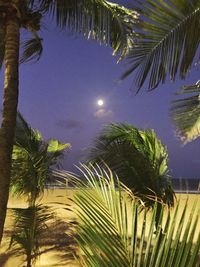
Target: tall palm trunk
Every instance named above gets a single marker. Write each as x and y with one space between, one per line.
7 131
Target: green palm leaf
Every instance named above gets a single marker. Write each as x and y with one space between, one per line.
106 22
185 113
109 232
55 146
101 20
138 158
170 36
33 160
29 227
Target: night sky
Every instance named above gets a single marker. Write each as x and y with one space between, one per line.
58 97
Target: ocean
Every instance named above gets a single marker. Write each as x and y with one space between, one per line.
186 185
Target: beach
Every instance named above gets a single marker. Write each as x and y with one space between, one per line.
58 245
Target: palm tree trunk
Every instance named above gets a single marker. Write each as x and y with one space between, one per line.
7 130
28 262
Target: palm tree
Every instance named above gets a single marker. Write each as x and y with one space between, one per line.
169 46
112 232
98 19
139 160
33 161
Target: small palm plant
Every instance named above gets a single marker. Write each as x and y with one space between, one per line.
33 161
30 224
112 232
32 169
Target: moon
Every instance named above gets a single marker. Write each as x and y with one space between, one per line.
100 102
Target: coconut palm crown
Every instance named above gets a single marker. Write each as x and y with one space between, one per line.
100 20
138 158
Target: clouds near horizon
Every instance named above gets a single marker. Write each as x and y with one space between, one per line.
103 113
69 124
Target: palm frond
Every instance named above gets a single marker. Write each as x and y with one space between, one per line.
185 113
170 36
138 158
112 232
100 20
32 49
32 160
25 136
55 146
29 227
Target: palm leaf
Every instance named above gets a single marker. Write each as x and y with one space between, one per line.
105 202
185 113
106 22
25 136
170 36
108 231
138 158
33 159
29 227
55 146
32 49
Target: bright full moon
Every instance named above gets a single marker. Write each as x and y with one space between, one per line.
100 102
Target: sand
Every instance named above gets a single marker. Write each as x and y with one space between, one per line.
58 246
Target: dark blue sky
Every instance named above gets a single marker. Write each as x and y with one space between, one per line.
58 96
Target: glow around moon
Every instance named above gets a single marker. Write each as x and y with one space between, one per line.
100 102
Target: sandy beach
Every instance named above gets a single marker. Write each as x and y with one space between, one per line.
58 247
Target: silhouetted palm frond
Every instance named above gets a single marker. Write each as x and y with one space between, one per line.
101 20
28 230
32 50
170 36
